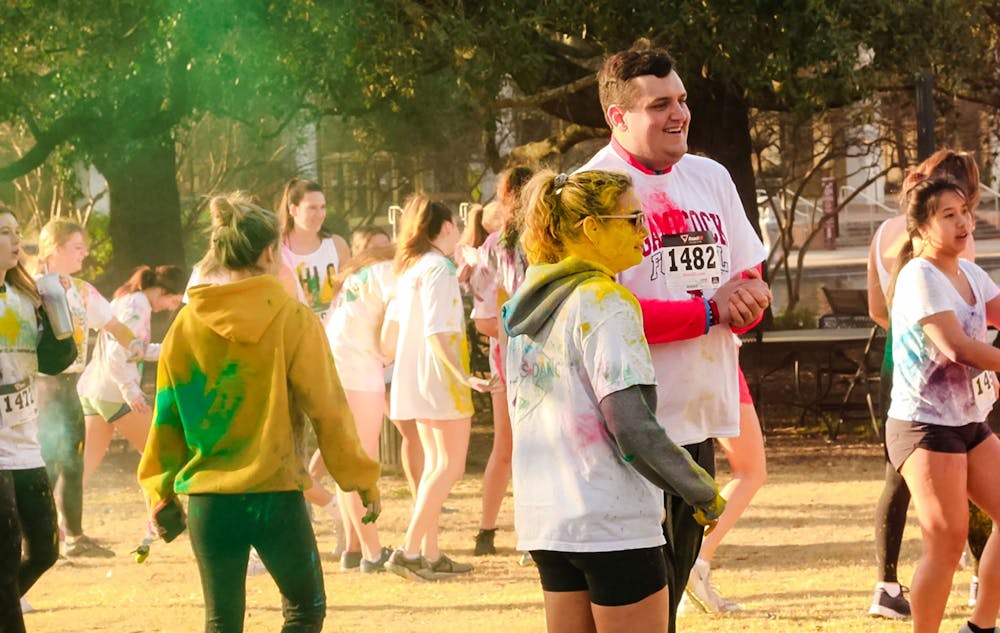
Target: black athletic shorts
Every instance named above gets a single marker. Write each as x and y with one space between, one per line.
902 438
613 579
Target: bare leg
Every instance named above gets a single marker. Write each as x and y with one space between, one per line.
368 409
497 473
749 467
446 443
95 446
134 427
938 484
649 615
984 493
568 612
411 454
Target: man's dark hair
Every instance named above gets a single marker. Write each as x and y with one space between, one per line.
613 80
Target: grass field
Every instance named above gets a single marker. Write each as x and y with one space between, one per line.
800 560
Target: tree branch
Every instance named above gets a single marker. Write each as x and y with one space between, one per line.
546 95
60 132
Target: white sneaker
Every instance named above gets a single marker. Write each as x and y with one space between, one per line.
701 592
255 566
684 607
25 607
973 591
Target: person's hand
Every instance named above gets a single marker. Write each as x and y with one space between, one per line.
139 404
747 302
484 385
708 514
373 507
136 351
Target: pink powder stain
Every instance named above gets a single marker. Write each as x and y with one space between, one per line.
667 218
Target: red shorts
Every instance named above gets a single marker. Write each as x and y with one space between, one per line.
745 397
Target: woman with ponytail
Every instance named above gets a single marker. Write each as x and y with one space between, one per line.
430 378
943 386
111 387
242 368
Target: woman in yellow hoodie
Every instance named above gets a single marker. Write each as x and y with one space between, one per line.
239 367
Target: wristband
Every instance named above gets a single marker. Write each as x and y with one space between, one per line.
708 315
714 307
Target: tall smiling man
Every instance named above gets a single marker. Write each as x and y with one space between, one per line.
697 282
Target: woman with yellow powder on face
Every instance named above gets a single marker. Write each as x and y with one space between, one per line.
237 366
589 457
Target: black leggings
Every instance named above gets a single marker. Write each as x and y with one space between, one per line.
224 527
27 513
683 533
61 432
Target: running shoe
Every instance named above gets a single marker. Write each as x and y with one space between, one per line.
445 567
255 566
350 560
701 592
885 605
84 546
413 569
378 566
484 543
25 607
973 591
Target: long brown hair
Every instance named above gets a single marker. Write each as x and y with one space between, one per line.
295 190
170 278
961 166
422 222
18 276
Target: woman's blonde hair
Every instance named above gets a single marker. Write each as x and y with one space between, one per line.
240 232
422 222
555 204
54 234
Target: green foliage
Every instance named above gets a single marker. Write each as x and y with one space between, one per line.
796 319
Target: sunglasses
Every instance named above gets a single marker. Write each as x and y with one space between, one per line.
637 217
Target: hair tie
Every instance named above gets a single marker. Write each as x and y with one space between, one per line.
559 182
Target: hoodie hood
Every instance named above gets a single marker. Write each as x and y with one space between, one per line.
240 311
545 288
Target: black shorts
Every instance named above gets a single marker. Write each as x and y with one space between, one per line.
613 579
902 438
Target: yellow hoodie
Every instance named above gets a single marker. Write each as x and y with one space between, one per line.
240 365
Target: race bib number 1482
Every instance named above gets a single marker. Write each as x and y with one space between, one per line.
691 261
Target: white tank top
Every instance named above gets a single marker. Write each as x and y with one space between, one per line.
315 273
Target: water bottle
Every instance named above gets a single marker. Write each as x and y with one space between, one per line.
56 305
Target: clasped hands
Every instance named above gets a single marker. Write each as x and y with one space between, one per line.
742 300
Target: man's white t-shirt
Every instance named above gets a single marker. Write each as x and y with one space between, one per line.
573 491
927 386
19 447
428 301
696 194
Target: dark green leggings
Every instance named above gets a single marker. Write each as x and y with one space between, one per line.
224 527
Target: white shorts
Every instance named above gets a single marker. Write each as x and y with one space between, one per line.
359 371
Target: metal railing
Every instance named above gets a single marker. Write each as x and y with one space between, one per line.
989 205
863 208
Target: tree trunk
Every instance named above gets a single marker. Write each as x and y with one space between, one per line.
720 129
145 206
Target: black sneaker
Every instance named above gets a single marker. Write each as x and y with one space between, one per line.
484 543
350 560
445 567
887 606
400 565
370 567
86 546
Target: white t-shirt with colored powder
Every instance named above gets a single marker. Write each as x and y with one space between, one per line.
927 386
315 272
428 301
696 194
354 326
19 447
573 492
109 376
90 311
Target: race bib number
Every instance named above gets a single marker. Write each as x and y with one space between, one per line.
17 404
692 261
985 390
